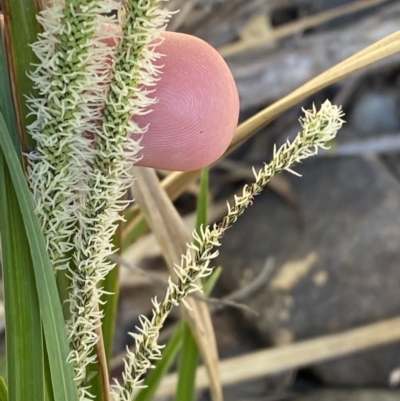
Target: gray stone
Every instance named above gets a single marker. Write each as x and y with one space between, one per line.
376 112
351 395
340 271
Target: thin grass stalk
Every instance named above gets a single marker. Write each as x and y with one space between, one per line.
319 127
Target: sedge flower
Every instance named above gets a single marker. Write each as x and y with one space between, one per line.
79 171
318 128
133 74
71 78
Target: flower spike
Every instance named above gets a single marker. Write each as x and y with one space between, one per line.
115 152
319 127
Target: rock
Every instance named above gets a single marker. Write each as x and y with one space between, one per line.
341 270
235 338
295 62
351 395
376 112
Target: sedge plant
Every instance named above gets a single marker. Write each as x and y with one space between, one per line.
69 192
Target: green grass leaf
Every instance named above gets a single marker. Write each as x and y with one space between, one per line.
21 29
134 234
24 342
3 368
24 339
3 390
6 100
49 394
189 357
52 317
212 280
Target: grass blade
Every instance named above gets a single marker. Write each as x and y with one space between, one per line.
129 236
6 102
188 362
50 306
3 368
212 280
135 221
20 30
49 394
189 357
3 390
24 342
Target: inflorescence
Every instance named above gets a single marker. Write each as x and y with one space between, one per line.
80 170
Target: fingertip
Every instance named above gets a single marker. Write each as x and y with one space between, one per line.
194 120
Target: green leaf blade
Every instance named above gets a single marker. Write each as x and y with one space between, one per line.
6 100
24 339
21 30
3 390
188 362
50 307
189 357
24 342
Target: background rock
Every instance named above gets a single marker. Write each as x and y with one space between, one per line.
341 270
376 112
351 395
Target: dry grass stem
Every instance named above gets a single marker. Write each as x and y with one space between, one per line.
281 32
302 354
